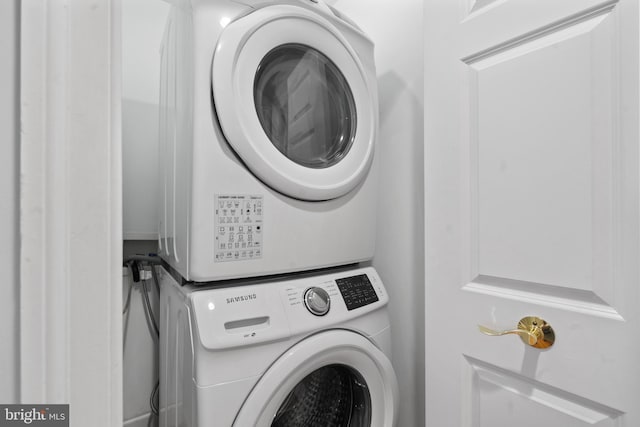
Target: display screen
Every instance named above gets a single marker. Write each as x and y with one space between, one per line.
357 291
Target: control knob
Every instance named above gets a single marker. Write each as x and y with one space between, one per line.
317 301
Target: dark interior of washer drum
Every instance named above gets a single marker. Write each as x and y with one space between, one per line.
332 396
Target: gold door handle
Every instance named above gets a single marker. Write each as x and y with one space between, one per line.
525 335
533 331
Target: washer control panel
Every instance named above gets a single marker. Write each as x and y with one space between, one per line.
256 312
317 301
336 294
357 291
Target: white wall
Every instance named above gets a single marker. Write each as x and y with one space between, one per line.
9 208
396 29
142 29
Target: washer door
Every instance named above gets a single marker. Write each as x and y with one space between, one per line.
332 379
294 102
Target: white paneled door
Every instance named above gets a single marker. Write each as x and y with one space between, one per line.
532 209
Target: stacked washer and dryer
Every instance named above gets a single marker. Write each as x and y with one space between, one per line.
268 203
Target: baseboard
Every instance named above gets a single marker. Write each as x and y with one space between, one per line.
139 421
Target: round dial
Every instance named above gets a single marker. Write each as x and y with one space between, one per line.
317 301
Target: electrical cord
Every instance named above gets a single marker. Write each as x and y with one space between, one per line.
151 319
127 303
153 399
152 420
134 264
154 274
155 333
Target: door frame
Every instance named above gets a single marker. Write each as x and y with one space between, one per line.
70 208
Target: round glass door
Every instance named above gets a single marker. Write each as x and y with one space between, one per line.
331 396
305 105
335 378
296 102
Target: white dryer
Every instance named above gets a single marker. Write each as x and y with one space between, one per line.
299 352
268 128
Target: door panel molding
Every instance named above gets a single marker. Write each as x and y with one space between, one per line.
477 7
488 382
575 24
574 300
543 206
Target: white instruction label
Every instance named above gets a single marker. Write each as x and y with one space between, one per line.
239 230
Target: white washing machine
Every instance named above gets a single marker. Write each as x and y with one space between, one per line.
268 125
299 352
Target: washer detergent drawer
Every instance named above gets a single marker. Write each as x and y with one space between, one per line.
239 316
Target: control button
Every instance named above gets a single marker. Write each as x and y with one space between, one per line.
317 301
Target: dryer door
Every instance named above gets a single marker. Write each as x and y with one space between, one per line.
295 102
333 379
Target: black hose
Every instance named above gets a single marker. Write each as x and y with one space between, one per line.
151 320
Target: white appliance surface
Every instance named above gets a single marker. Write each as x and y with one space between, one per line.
268 123
231 356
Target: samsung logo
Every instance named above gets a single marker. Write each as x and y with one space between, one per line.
241 298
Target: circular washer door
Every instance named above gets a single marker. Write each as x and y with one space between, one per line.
294 102
334 379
